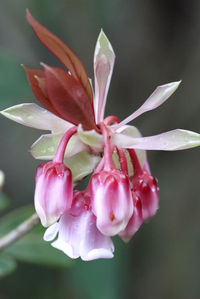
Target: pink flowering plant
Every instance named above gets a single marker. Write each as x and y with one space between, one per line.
122 193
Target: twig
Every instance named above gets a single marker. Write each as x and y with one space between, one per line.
19 231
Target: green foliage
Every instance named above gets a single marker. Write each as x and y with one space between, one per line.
31 248
4 202
7 265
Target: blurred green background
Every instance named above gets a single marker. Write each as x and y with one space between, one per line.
155 42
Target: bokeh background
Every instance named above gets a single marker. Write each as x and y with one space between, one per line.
155 42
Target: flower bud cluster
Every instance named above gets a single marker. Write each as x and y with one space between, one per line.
114 202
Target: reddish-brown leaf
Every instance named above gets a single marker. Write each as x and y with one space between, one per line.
36 80
63 53
69 98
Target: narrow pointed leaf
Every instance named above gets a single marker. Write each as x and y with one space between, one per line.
158 97
69 98
170 141
104 58
32 115
62 52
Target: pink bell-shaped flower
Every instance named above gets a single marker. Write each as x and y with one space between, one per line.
145 188
110 192
78 235
111 201
53 191
135 222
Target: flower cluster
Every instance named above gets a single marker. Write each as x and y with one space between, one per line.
121 193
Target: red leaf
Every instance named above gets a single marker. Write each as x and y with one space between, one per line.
69 98
63 53
36 80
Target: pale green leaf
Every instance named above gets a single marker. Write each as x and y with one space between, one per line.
45 147
32 115
91 138
82 164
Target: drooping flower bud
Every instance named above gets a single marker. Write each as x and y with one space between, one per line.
135 222
111 201
53 191
145 188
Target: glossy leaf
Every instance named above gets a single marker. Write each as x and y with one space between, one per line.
91 138
45 147
81 165
157 98
37 82
69 98
169 141
32 115
63 53
104 58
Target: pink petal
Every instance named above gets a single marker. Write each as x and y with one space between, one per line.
78 236
159 96
104 58
111 201
53 192
146 190
135 222
169 141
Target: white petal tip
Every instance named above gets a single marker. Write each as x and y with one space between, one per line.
172 85
51 232
100 253
65 247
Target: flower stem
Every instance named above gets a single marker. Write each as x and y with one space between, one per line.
19 231
122 160
59 156
111 119
136 164
108 162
